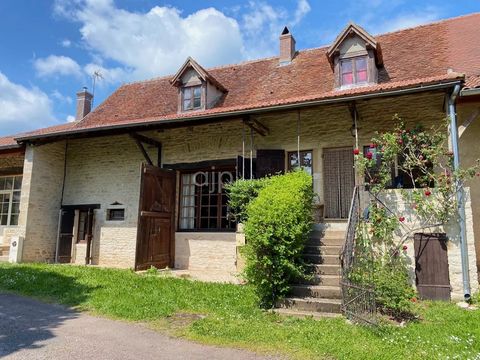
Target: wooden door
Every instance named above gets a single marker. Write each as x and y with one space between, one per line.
338 181
270 162
65 236
156 222
431 266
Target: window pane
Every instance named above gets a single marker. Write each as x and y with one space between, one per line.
9 183
187 104
3 219
361 64
197 91
347 79
346 66
362 76
2 183
14 220
197 102
187 94
18 183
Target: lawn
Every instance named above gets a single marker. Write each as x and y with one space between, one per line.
227 314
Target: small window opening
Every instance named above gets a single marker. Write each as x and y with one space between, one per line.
116 214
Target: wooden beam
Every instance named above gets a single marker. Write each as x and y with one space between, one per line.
142 149
256 126
146 140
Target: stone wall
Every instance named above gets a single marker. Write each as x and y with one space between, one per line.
469 152
394 201
206 251
43 172
106 170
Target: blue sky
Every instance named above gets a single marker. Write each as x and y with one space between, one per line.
50 49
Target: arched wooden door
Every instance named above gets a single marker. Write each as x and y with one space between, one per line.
156 221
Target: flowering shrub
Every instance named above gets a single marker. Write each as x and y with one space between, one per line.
422 157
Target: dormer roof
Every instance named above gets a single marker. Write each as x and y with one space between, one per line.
190 63
353 29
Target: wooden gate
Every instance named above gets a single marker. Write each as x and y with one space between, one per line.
65 236
156 222
338 181
431 266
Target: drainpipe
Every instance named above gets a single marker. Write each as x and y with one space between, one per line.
459 190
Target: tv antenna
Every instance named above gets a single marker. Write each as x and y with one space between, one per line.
96 75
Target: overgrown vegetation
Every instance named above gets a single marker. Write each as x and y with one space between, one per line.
277 223
421 159
228 315
240 194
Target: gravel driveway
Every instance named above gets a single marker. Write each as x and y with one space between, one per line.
30 329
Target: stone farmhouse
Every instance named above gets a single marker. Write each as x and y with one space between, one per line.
138 181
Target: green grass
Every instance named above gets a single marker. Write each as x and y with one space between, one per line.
230 315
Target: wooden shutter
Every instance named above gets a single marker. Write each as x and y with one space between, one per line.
431 266
270 162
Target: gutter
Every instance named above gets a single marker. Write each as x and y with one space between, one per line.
459 192
420 88
470 92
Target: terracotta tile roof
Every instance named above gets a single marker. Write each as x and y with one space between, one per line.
411 57
472 82
8 142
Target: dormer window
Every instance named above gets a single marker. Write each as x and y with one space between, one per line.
354 71
355 57
197 88
192 98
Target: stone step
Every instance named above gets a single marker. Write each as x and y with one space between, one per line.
326 226
318 241
322 259
327 269
323 250
312 304
317 291
327 280
305 314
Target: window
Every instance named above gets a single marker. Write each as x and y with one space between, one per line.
192 98
305 161
354 71
10 187
203 200
116 214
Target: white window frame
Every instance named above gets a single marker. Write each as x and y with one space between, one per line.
10 192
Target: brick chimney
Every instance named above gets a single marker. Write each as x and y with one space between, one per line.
287 47
84 104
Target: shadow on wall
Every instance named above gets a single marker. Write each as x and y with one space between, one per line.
26 323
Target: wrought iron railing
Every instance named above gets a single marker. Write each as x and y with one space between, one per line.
358 298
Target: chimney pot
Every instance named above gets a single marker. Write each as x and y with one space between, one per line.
84 103
287 47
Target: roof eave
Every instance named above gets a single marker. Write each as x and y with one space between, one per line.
442 84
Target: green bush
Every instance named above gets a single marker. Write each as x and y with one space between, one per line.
240 194
393 293
277 227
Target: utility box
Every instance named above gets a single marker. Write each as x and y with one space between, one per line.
16 248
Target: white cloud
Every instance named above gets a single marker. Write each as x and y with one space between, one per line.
57 95
54 65
70 118
108 75
22 108
66 43
157 42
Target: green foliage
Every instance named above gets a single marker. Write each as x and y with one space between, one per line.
422 156
240 194
230 316
279 221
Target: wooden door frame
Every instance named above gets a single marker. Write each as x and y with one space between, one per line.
144 168
323 172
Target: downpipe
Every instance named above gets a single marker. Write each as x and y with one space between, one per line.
459 192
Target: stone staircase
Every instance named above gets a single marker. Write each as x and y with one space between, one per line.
4 251
320 297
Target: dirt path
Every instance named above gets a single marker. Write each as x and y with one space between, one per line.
30 329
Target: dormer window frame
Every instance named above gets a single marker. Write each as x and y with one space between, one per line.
354 60
190 89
